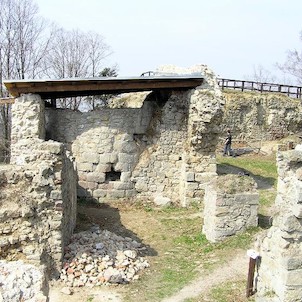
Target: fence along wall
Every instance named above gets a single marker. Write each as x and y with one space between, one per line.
267 116
289 90
163 151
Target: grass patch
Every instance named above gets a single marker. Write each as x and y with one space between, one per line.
177 248
230 291
265 167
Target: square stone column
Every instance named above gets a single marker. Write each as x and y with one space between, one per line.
28 122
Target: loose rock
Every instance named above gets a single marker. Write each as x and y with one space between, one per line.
96 257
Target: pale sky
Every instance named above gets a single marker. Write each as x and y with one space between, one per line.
230 36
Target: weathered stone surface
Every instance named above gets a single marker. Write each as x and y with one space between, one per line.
230 206
22 282
96 257
262 116
280 249
162 201
34 197
161 148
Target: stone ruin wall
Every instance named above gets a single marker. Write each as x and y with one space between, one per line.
38 191
280 272
230 206
163 151
267 116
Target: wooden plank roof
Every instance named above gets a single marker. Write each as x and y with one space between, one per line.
52 89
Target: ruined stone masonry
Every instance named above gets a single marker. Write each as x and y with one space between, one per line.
163 151
280 272
38 191
230 206
266 116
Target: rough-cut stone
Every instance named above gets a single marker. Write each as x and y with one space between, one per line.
230 206
280 271
96 257
38 199
162 146
22 282
265 116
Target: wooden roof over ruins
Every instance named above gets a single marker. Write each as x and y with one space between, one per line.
53 89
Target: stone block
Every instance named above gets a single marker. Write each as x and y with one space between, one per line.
141 186
103 168
130 193
90 157
191 186
294 277
125 176
96 177
292 263
122 166
54 194
190 176
105 158
162 201
116 194
91 185
98 193
86 167
118 185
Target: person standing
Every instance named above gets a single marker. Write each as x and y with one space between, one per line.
228 143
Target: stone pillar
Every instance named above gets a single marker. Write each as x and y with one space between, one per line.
230 206
28 122
280 272
205 114
39 194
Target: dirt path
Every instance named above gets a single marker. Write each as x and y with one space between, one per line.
232 270
96 294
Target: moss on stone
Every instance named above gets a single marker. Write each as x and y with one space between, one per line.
233 184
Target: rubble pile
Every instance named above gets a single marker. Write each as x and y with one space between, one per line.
22 282
96 257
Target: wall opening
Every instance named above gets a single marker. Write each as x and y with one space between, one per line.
112 175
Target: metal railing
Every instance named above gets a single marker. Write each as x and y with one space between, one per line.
289 90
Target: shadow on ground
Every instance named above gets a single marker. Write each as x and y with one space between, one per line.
262 182
108 218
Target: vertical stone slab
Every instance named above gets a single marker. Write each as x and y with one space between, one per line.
280 271
230 206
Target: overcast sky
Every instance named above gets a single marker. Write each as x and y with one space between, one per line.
230 36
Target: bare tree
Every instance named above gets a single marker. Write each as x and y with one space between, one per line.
76 54
22 47
101 101
293 64
261 75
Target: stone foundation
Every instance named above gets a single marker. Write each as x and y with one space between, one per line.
280 271
230 207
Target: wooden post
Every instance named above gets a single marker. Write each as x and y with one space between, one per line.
250 277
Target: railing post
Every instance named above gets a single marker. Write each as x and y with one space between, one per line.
250 278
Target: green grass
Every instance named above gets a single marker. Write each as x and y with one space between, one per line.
264 167
230 291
